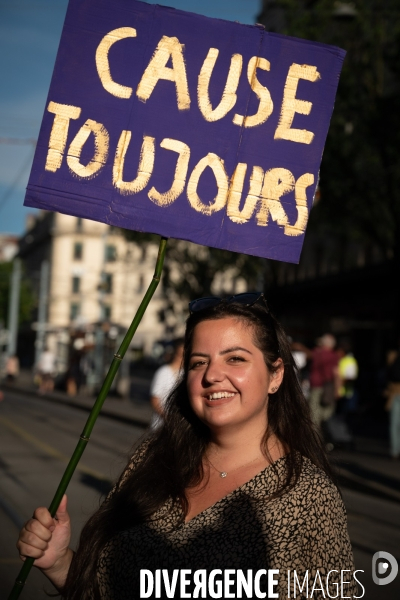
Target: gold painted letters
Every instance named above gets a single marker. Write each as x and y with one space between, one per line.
217 166
103 66
146 164
178 184
291 105
168 48
277 182
301 202
235 194
266 105
59 133
101 144
229 96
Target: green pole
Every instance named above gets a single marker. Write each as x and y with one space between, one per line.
85 435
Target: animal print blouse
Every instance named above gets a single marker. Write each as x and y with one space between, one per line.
303 534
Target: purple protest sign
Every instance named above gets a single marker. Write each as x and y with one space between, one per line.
168 122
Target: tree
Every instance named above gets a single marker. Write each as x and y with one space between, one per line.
360 171
27 301
192 271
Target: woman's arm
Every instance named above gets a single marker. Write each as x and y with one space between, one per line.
47 541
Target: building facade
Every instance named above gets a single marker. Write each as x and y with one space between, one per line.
8 246
93 285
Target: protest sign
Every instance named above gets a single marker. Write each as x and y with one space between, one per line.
168 122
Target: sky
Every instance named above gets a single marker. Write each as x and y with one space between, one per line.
30 31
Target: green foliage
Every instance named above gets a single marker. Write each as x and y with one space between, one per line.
193 271
26 302
360 171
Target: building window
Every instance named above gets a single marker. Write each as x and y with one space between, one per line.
76 285
110 253
78 250
75 310
108 283
107 312
79 223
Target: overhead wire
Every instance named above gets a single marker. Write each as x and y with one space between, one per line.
7 194
17 141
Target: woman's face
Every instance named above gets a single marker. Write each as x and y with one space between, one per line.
228 380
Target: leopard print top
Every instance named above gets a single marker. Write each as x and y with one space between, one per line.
303 530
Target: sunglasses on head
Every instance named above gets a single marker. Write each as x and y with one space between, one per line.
245 299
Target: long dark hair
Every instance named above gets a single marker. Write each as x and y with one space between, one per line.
172 458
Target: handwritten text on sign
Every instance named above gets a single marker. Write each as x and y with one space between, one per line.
164 121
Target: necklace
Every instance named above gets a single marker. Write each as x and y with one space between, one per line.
224 474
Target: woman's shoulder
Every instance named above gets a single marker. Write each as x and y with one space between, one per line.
315 488
135 459
313 485
317 479
309 507
139 452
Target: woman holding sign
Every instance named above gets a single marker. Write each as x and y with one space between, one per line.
233 495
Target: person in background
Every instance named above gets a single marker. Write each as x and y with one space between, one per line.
164 380
12 368
324 377
348 373
301 360
75 375
392 393
46 368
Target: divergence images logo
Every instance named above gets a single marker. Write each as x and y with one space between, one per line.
384 564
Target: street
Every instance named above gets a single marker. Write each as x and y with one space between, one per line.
37 437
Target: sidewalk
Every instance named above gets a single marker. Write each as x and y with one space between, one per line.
369 468
136 410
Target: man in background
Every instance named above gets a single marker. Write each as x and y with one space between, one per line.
348 373
12 368
163 382
324 377
46 369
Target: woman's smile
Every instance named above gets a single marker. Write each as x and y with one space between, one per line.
228 380
218 398
219 395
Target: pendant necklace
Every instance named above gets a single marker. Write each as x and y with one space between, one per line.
224 474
